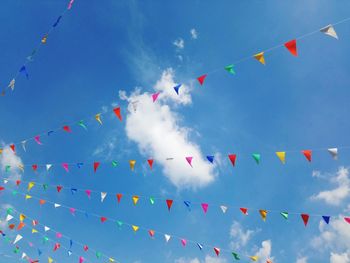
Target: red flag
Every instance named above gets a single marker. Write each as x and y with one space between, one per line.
307 154
86 248
201 79
150 162
67 128
347 219
169 203
13 148
18 182
117 113
292 47
232 158
151 233
103 219
96 165
42 202
217 251
57 246
244 210
35 222
35 167
59 188
2 188
305 218
12 226
119 196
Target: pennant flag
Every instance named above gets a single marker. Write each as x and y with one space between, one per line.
23 70
7 168
56 247
72 211
9 218
98 254
205 207
42 201
169 203
307 154
67 128
12 84
70 4
177 87
96 165
200 246
119 223
132 164
254 258
155 96
281 156
189 160
49 133
73 190
50 260
260 57
24 255
12 226
18 182
256 157
65 167
35 167
86 248
326 219
48 166
59 188
20 226
263 214
347 219
57 21
150 163
35 222
167 237
57 205
22 217
88 193
223 208
44 39
135 199
188 204
28 197
151 233
45 186
119 197
235 256
30 186
292 47
81 124
230 69
244 210
201 79
333 152
114 163
118 113
13 148
210 158
232 158
103 196
103 219
285 215
58 235
34 231
46 228
98 118
217 251
17 239
37 140
151 200
135 228
183 242
305 218
330 31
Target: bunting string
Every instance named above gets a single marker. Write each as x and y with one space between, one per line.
29 59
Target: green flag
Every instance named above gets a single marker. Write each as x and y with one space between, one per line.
81 124
114 163
151 199
230 69
14 192
9 211
7 168
285 215
45 239
45 186
119 223
235 256
256 157
98 254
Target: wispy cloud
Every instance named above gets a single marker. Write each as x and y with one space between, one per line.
240 237
194 33
179 43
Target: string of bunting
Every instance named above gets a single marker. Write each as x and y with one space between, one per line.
10 215
23 70
190 160
135 228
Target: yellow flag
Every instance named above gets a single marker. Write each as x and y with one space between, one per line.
30 186
34 231
22 217
50 260
263 214
111 260
44 39
98 118
260 57
135 228
132 164
254 258
28 197
281 156
1 150
135 199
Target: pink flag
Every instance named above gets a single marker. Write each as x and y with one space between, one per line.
81 260
205 207
65 167
189 160
155 96
59 235
37 139
72 211
347 219
88 192
183 242
70 4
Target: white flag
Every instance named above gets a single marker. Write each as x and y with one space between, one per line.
329 30
103 196
18 238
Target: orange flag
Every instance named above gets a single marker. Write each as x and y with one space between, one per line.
307 154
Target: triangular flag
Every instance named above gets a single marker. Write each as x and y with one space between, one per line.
254 258
307 154
48 166
44 39
30 186
188 204
135 228
260 57
155 96
132 164
82 124
292 47
347 219
151 200
151 233
244 210
66 128
42 201
326 219
103 196
230 69
98 254
232 158
217 251
72 211
28 197
24 145
200 246
20 226
333 152
73 190
24 255
18 182
263 214
330 31
103 219
167 237
59 188
285 215
256 157
119 223
176 88
119 197
189 160
13 148
118 113
210 158
81 259
169 203
223 208
201 79
150 163
88 193
46 228
34 231
114 163
37 140
281 156
305 218
96 165
205 207
235 256
57 205
183 242
50 260
12 84
9 218
22 217
34 167
56 246
18 238
135 199
98 118
65 167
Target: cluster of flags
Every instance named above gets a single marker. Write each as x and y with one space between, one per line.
281 155
23 69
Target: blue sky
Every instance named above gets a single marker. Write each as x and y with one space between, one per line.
109 53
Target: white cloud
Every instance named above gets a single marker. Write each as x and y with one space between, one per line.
239 235
8 157
339 258
264 253
207 259
156 130
179 43
194 33
338 194
301 260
